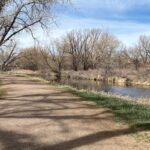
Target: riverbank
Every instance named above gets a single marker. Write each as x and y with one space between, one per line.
122 78
134 114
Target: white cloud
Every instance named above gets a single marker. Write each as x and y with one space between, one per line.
126 31
117 5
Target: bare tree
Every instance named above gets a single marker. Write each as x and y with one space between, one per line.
80 45
73 45
8 56
2 4
54 59
21 15
143 48
30 58
140 53
106 49
132 54
89 40
122 59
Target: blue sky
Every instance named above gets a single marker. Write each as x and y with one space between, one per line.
126 19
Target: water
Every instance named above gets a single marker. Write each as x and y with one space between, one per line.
134 92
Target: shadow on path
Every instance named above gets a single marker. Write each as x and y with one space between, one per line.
15 141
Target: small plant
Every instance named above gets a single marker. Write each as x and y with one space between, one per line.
2 93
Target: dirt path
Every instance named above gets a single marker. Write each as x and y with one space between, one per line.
37 116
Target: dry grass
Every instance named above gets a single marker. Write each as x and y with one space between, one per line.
121 77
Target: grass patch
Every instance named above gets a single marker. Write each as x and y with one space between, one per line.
2 93
142 137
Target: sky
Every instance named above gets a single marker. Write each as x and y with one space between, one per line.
126 19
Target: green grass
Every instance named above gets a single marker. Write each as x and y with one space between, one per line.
136 115
2 93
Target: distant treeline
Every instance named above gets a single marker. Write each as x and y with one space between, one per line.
84 50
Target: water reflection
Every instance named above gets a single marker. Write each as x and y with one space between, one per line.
135 92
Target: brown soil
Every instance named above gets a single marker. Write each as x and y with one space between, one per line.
36 116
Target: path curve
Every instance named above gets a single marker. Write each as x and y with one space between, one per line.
36 116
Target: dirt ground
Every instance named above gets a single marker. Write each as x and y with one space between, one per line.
36 116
